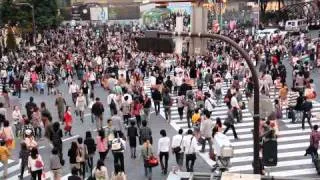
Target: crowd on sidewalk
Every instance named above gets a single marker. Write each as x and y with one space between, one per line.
85 60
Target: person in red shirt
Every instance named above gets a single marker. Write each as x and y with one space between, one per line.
68 121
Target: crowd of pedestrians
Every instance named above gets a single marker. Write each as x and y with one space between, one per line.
85 60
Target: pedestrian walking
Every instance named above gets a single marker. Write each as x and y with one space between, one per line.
126 110
156 96
314 143
117 124
17 120
98 110
177 147
206 131
167 103
137 111
81 104
73 90
132 134
30 108
36 122
229 123
60 104
82 156
91 147
306 107
110 134
146 106
146 153
163 150
56 140
102 144
180 104
190 150
68 121
55 164
73 153
4 157
145 133
118 147
35 164
8 135
100 172
23 156
190 109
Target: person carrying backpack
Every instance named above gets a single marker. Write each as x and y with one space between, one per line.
118 146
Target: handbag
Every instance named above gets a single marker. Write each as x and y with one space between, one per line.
152 161
38 164
178 148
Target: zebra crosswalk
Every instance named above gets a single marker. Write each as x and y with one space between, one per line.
292 140
14 167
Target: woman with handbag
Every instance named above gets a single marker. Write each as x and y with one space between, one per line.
35 164
146 153
229 123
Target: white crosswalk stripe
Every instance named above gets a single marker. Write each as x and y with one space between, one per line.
292 140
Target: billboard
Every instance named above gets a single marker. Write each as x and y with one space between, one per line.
123 12
98 14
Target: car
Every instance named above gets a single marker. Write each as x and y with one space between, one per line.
270 33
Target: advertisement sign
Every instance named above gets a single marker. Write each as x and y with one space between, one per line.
123 12
99 14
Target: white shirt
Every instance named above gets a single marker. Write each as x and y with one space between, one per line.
209 104
190 144
73 88
234 102
32 163
177 140
164 144
16 115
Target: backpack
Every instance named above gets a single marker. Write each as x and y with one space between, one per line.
117 145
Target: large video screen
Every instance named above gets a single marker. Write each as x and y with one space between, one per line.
122 12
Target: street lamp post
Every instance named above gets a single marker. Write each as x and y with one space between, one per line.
33 20
256 116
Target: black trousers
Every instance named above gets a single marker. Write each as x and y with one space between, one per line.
180 111
126 119
118 159
190 160
233 130
103 155
36 174
164 166
157 107
308 116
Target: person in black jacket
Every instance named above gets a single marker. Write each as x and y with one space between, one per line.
156 96
56 139
91 146
72 153
97 110
146 106
30 107
132 136
306 107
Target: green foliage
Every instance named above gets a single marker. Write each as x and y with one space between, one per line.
11 40
45 13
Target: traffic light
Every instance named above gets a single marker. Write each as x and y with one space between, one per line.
151 44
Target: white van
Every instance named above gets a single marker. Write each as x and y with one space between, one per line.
296 25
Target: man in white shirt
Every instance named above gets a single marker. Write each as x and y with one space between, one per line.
73 90
177 147
209 103
163 150
235 106
190 148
